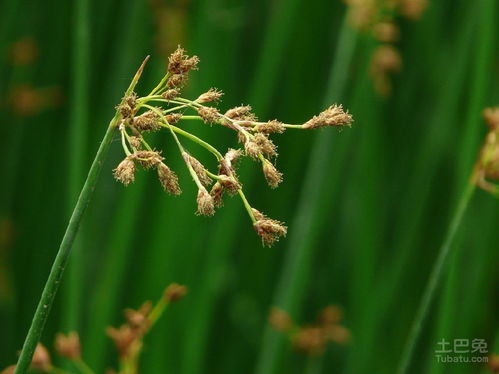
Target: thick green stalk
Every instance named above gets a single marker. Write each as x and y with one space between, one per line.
434 280
62 257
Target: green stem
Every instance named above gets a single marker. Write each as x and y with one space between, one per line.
62 257
434 280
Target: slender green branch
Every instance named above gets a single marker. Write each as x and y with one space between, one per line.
62 257
434 280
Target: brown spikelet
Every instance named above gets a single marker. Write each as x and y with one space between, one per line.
330 315
68 345
491 117
125 171
171 93
168 179
180 63
41 359
269 127
251 148
177 80
199 169
208 114
217 192
241 113
147 159
175 292
272 175
257 214
210 96
269 230
206 205
333 116
280 320
135 142
123 338
229 183
386 32
127 107
413 9
173 118
148 121
266 146
9 370
309 340
138 319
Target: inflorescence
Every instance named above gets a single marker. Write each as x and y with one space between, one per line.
164 107
486 172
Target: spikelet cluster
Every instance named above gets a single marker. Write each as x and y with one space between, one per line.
127 339
486 171
165 109
312 339
379 18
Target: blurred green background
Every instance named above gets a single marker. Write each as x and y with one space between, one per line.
367 207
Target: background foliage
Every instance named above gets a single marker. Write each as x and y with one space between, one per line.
367 207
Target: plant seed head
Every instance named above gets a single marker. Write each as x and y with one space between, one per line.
206 205
280 320
68 345
180 63
148 121
217 192
269 230
171 94
333 116
125 171
491 116
41 359
241 113
175 292
147 159
208 114
269 127
168 179
210 96
272 175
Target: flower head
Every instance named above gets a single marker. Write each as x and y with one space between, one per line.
333 116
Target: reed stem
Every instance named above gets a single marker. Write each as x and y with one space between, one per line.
434 280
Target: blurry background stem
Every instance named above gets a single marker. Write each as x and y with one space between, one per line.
435 278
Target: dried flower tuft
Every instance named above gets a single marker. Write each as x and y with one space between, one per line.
123 338
125 171
269 127
175 292
241 113
265 145
148 121
491 116
171 93
217 192
9 370
177 80
180 63
206 205
333 116
310 340
208 114
168 179
128 105
210 96
68 345
272 175
138 319
198 168
173 118
41 359
280 320
269 230
229 183
135 142
147 159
